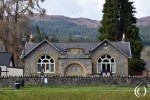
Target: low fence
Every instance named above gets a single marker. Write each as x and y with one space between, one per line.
78 80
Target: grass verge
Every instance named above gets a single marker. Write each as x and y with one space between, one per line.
71 93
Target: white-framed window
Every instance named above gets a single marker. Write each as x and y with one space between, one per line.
106 63
46 64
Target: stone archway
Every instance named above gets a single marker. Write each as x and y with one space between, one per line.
74 69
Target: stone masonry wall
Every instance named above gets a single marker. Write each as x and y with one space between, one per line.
31 60
121 60
73 80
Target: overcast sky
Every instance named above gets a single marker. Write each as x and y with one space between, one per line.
89 8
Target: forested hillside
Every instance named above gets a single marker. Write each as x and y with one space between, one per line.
61 28
144 26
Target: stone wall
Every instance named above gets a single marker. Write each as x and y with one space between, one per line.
73 80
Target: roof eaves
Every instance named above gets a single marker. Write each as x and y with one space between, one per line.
130 50
39 45
113 46
119 50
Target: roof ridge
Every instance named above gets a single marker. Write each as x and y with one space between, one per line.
87 46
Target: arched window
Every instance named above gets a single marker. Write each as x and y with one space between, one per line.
46 64
106 63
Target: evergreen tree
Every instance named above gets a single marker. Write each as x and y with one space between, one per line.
39 36
110 20
119 18
53 39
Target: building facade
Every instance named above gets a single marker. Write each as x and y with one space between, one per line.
93 58
7 65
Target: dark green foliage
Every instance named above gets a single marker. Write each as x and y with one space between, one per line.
53 39
136 66
109 28
119 18
63 30
39 36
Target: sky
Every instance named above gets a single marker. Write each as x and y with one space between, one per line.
89 8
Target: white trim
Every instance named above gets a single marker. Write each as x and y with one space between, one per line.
107 62
46 63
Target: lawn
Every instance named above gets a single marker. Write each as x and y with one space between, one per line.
71 93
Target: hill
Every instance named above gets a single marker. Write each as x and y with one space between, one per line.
79 29
144 26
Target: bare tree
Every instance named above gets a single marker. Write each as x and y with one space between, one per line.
14 22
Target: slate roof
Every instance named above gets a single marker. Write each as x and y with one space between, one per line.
6 58
124 47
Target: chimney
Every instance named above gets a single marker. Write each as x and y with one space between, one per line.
31 37
123 37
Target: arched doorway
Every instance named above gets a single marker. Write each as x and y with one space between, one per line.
74 69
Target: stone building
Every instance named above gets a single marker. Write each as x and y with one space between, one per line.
93 58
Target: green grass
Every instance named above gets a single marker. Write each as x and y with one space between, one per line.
71 93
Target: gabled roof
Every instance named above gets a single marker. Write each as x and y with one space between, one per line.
123 47
29 47
6 58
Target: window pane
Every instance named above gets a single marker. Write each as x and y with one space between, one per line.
108 56
39 67
39 60
52 67
48 57
52 61
43 57
45 61
47 66
113 67
43 67
99 60
103 56
105 60
103 68
108 67
99 67
112 60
